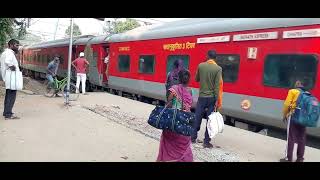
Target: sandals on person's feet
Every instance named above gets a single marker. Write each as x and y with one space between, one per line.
12 117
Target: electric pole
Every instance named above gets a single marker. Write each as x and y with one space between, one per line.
69 62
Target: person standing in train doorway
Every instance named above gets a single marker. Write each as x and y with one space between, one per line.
80 64
296 133
209 74
106 61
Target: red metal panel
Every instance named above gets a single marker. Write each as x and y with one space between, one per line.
250 79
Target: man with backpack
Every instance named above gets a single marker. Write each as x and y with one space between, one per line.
295 113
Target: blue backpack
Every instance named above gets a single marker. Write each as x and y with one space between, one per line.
307 112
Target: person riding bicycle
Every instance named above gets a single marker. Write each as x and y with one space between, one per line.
52 69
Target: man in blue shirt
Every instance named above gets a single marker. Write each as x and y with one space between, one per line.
53 68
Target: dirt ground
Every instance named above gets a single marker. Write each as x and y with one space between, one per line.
244 145
47 131
30 86
105 127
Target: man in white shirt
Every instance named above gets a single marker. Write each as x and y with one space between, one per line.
9 62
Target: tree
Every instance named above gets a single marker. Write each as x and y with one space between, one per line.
76 30
12 28
120 26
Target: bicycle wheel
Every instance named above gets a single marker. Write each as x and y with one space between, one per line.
73 94
49 91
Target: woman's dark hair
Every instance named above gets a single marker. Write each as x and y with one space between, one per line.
176 63
184 76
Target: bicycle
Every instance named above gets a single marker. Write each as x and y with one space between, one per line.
60 88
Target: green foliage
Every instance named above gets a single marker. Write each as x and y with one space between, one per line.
121 26
6 30
12 28
76 30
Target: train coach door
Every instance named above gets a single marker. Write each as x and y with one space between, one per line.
105 62
91 55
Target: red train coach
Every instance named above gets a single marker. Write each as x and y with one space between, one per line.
35 58
260 58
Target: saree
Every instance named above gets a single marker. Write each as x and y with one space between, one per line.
175 147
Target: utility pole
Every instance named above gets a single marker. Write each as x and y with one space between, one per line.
69 62
109 27
28 22
55 32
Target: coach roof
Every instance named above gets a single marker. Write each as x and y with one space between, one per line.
198 26
61 42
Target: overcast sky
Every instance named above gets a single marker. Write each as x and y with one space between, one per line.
45 27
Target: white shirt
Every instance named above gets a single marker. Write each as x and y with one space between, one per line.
7 59
106 59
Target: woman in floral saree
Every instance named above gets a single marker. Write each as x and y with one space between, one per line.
175 147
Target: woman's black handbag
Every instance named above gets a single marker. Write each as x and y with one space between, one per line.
172 119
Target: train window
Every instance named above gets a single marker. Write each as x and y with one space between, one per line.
48 59
124 63
282 70
146 64
61 59
44 60
172 58
38 58
230 66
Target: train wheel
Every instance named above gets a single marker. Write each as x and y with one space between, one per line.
228 121
255 128
120 93
134 97
88 87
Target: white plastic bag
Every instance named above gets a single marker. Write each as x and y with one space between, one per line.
215 124
14 80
